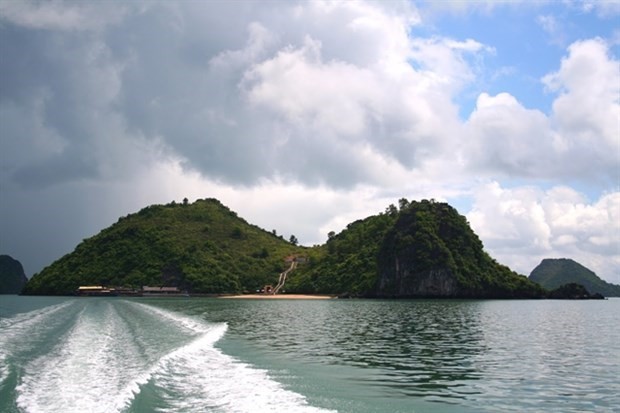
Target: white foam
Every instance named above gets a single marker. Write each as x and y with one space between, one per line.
189 323
16 329
91 370
97 367
198 377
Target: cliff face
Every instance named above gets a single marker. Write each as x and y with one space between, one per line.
432 252
12 277
403 281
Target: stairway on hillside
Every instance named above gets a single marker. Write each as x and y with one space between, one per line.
283 275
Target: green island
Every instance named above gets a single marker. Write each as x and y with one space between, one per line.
553 273
416 249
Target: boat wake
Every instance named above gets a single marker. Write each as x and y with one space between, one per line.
22 332
122 356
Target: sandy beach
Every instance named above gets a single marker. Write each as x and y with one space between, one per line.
281 296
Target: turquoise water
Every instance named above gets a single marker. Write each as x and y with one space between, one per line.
348 356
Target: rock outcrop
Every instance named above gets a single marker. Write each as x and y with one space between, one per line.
403 281
431 251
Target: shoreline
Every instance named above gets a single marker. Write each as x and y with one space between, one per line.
279 297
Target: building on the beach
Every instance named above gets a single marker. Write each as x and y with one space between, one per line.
95 290
162 291
268 289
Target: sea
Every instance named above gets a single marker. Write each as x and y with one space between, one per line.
115 354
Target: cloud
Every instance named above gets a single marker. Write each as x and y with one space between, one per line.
62 15
554 28
605 9
506 137
520 226
312 81
302 116
586 110
582 130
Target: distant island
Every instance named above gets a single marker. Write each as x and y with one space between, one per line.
12 277
416 249
553 273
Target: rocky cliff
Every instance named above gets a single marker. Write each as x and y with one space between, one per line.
420 249
432 252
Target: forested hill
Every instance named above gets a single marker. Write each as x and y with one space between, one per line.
203 247
418 249
553 273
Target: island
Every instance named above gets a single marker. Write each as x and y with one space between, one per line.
416 249
12 276
552 273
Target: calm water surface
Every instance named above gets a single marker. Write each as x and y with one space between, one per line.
348 356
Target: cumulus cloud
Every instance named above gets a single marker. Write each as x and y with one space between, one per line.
586 111
314 80
523 225
277 106
582 130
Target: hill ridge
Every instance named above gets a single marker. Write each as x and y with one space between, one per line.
420 249
552 273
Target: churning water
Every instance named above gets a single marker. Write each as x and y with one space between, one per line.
358 356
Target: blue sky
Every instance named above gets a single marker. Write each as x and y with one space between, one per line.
304 116
528 41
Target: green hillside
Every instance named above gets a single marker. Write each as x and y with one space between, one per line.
203 247
420 249
553 273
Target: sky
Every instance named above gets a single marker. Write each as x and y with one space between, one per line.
303 116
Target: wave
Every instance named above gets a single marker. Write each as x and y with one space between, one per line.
21 329
116 349
198 377
87 370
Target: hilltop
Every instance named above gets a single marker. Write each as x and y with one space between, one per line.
12 277
420 249
202 247
553 273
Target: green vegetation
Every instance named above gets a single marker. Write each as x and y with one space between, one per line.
347 263
573 291
432 238
553 273
424 238
416 249
202 247
12 277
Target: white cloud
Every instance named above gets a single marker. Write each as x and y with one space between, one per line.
603 8
580 138
521 226
586 111
504 136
